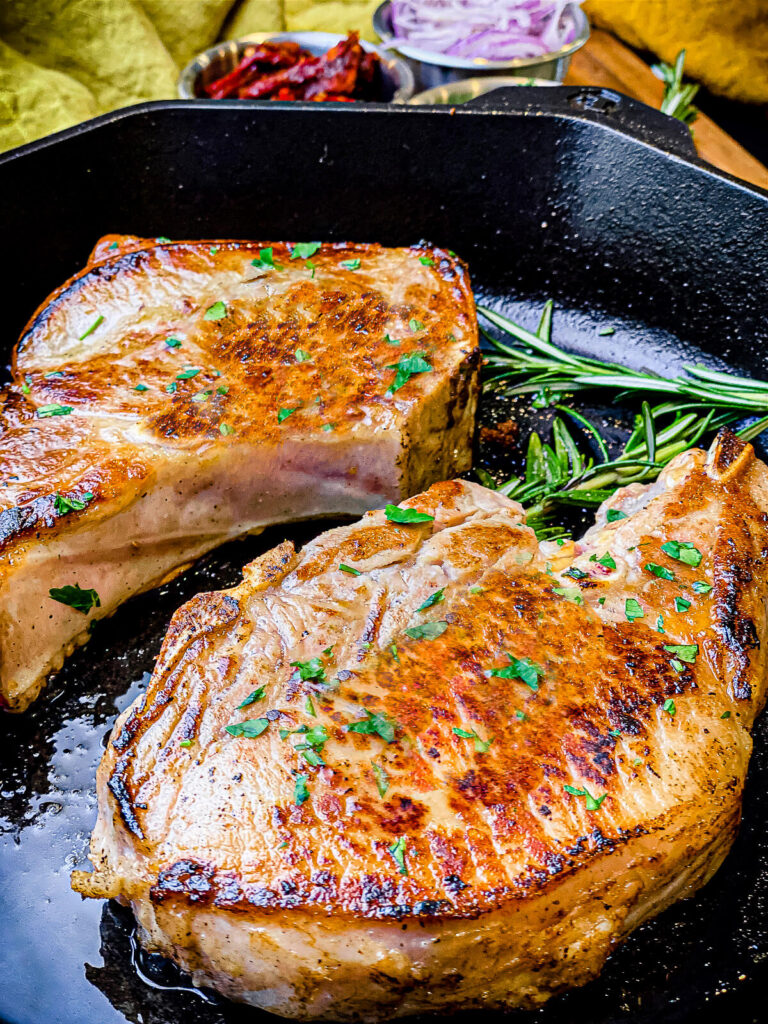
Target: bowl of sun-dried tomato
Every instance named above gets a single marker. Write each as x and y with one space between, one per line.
297 66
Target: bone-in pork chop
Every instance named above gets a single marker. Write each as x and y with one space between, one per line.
433 764
174 396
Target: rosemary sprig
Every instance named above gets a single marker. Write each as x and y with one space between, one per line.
558 474
678 98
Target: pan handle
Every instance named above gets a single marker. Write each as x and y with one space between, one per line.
593 103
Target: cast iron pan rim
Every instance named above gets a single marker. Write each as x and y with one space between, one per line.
637 121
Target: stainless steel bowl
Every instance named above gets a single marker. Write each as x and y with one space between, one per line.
431 68
453 93
397 77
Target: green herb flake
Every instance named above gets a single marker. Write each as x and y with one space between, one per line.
375 724
395 655
25 388
426 261
350 264
185 743
685 652
283 414
53 375
601 601
89 330
477 590
659 570
397 849
327 427
407 516
266 259
309 707
171 388
683 551
312 669
524 669
669 707
569 593
251 728
726 714
141 387
216 312
593 802
390 340
44 411
62 504
427 630
173 342
302 356
189 373
252 698
613 515
349 569
415 325
575 573
633 610
700 587
605 332
407 367
113 245
162 238
226 430
521 716
481 746
660 624
303 250
433 599
300 791
222 389
607 561
382 779
681 605
75 597
213 250
615 733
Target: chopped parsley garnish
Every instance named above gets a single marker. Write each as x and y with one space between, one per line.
112 246
300 791
407 367
669 707
302 356
171 388
575 573
309 707
348 568
141 387
75 597
415 325
660 624
433 599
215 312
633 610
569 593
225 429
265 259
604 332
189 373
202 396
89 330
326 427
382 779
54 410
395 655
481 746
678 666
607 561
702 588
397 849
252 698
312 669
213 250
521 716
251 728
222 389
53 375
614 732
395 514
313 741
659 570
25 388
613 515
173 343
593 802
375 724
685 652
476 590
427 630
185 743
283 414
681 605
426 261
303 250
162 238
63 504
524 669
683 551
391 341
350 264
726 714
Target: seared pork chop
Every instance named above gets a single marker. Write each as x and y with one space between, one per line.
434 764
174 396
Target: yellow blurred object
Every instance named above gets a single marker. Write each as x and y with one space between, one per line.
726 41
62 61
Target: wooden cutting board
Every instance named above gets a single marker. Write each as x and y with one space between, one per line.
607 62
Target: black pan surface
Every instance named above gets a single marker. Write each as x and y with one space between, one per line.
575 196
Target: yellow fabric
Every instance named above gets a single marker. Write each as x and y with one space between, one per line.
62 61
726 41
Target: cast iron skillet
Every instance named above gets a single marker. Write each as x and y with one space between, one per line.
581 195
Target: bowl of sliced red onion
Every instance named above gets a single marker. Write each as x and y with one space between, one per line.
447 40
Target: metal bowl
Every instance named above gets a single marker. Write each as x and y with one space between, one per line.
431 68
398 84
454 93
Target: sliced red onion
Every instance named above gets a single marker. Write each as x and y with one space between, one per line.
491 29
